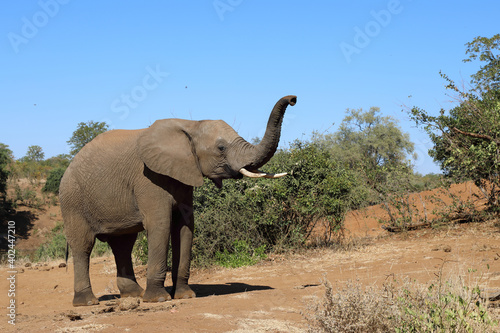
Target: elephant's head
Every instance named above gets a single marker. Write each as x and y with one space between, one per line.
188 150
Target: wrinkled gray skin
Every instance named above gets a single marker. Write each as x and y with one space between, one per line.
125 181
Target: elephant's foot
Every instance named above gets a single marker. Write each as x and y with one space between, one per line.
131 291
129 288
156 295
184 291
84 298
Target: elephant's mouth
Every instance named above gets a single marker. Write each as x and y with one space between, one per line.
217 182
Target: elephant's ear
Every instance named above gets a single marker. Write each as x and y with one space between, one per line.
166 148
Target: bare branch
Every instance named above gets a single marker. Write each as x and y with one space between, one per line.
474 135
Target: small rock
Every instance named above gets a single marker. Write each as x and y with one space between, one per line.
61 265
28 264
73 316
447 248
129 303
485 248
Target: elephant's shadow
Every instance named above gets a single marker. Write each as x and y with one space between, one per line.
205 290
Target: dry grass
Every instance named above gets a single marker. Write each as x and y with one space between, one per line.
451 304
265 325
351 309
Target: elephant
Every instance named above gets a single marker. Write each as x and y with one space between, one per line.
126 181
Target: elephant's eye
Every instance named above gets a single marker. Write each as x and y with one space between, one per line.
221 148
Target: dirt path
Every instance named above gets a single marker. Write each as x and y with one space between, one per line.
269 297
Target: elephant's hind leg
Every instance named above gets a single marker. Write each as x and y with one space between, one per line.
125 278
81 242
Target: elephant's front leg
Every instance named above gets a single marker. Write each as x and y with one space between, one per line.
182 241
158 237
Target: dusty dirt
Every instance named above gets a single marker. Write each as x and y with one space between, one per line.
269 297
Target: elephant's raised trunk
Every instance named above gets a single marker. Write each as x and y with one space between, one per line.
263 152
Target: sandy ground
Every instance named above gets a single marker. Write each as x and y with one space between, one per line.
272 296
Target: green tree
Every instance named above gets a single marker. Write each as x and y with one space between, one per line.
467 137
34 154
374 146
85 133
486 50
59 161
53 180
31 166
5 160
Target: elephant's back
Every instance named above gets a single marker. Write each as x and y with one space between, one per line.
108 147
107 151
102 168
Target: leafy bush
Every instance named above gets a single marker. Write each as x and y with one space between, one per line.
55 248
27 197
275 213
140 250
101 249
443 307
5 160
242 255
53 180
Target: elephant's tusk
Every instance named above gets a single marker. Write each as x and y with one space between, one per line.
260 174
275 175
250 174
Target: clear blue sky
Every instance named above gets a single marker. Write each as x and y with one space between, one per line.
131 62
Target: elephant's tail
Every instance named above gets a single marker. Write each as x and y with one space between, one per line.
67 255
